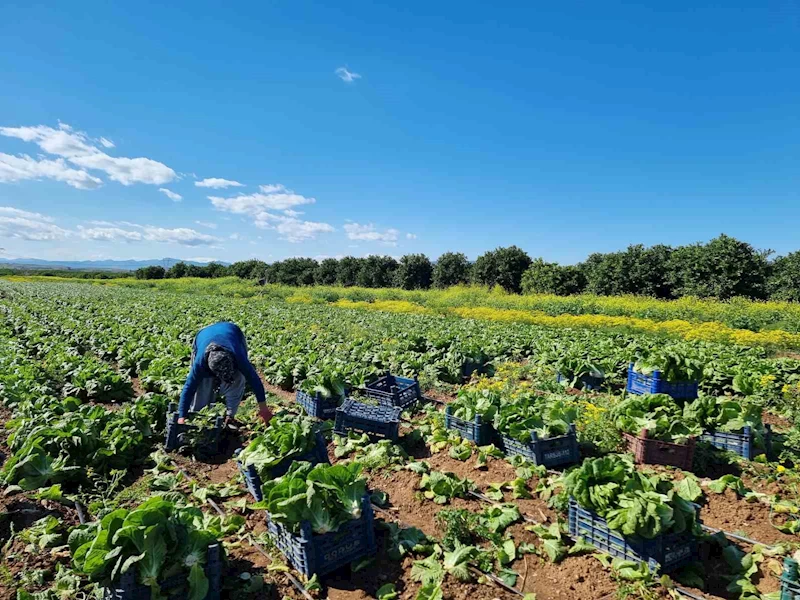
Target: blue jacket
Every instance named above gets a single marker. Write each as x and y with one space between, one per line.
227 335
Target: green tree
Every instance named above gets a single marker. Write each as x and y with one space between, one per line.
178 270
326 272
347 271
512 262
723 268
784 280
215 269
452 268
292 271
414 272
249 269
377 272
637 270
551 278
151 272
484 270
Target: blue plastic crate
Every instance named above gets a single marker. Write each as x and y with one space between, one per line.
654 384
317 405
394 391
318 454
550 452
209 444
790 587
377 421
587 382
126 588
665 552
318 554
476 430
741 443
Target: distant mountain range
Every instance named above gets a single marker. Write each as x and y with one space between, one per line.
94 265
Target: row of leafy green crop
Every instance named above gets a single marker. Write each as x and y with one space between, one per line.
149 335
55 437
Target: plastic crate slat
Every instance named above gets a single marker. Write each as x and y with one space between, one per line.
656 452
126 588
550 452
176 431
376 421
476 431
790 587
639 383
394 391
317 405
320 554
666 552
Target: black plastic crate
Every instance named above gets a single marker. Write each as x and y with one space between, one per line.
664 553
586 382
476 430
654 384
126 588
318 405
209 442
394 391
741 443
318 454
318 554
377 421
790 586
550 452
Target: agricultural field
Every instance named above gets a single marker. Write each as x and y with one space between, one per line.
91 495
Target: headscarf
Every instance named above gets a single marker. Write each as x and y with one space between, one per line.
221 363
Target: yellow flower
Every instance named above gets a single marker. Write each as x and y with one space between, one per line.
780 468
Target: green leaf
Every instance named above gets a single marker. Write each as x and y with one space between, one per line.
507 576
387 592
689 489
431 591
313 584
379 498
428 571
198 582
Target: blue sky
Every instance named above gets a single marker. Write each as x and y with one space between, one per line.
564 128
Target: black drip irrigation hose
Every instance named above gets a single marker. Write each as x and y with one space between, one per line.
295 582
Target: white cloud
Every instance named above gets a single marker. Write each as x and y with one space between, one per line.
180 235
234 236
274 197
217 183
79 150
109 234
346 75
206 224
16 212
147 233
25 225
368 233
171 195
107 143
22 167
411 236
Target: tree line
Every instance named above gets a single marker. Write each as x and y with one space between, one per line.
722 268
